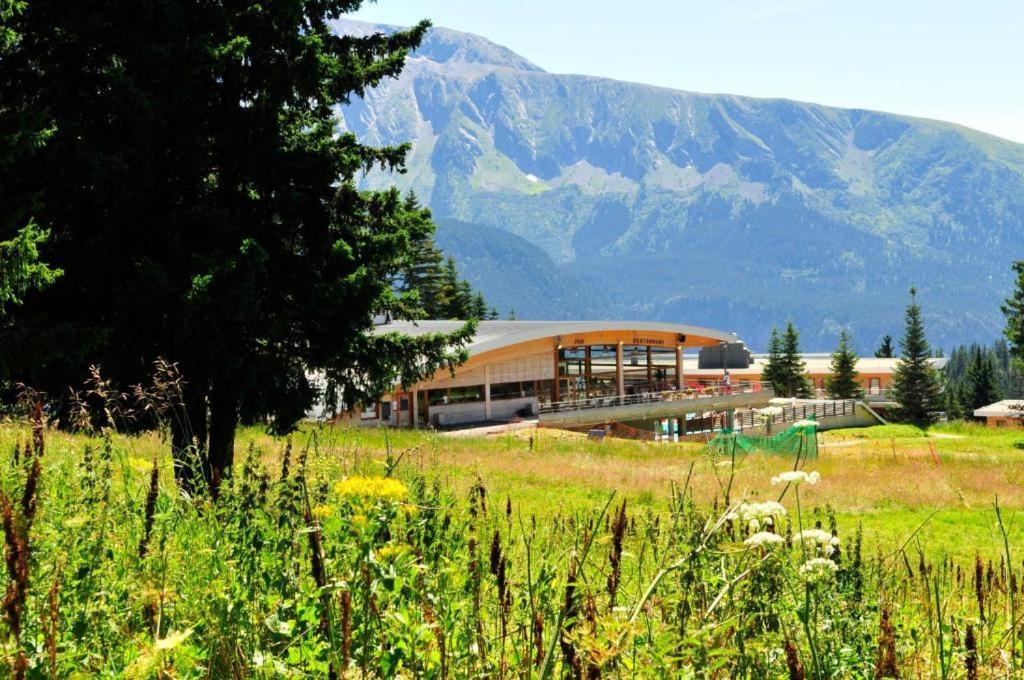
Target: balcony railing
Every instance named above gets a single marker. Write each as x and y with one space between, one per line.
870 395
704 389
786 414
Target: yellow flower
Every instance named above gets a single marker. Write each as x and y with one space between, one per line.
383 488
323 511
141 464
391 551
359 520
76 521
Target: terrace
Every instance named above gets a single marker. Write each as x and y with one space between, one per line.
694 397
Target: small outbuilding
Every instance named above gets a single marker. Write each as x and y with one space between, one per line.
1005 413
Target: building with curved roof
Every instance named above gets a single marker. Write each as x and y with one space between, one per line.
521 368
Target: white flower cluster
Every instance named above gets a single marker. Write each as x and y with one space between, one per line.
764 539
819 537
818 569
796 477
756 515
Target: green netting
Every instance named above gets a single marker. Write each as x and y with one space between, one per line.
796 440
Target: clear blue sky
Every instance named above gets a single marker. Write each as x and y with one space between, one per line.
955 60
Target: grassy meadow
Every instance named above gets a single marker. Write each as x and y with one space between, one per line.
537 554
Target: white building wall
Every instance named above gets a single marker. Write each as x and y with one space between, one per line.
457 414
506 409
473 412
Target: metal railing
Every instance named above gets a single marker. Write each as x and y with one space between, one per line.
788 414
703 389
876 394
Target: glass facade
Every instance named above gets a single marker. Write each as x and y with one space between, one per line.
518 390
584 372
590 371
455 395
648 368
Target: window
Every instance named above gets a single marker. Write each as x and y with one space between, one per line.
403 404
521 390
875 386
461 395
648 368
437 397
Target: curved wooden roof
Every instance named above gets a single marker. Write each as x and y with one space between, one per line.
494 335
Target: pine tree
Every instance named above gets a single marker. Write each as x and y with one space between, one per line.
23 129
795 371
915 385
884 350
479 306
424 273
842 383
463 306
981 388
1013 310
205 209
774 371
954 400
452 307
1009 383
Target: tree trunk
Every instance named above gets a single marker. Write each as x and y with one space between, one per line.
189 434
220 453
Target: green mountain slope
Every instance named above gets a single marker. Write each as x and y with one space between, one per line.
519 276
713 209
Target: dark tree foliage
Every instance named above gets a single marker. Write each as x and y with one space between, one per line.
960 377
22 129
982 388
435 280
773 369
916 386
423 273
203 208
785 369
885 350
796 382
1013 310
842 383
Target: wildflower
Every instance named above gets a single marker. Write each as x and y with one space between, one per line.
391 551
818 569
141 464
173 639
323 511
384 488
76 521
757 514
763 539
819 537
796 477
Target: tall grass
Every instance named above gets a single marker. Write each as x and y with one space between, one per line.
336 563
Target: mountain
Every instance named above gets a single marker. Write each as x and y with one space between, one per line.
516 275
595 197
